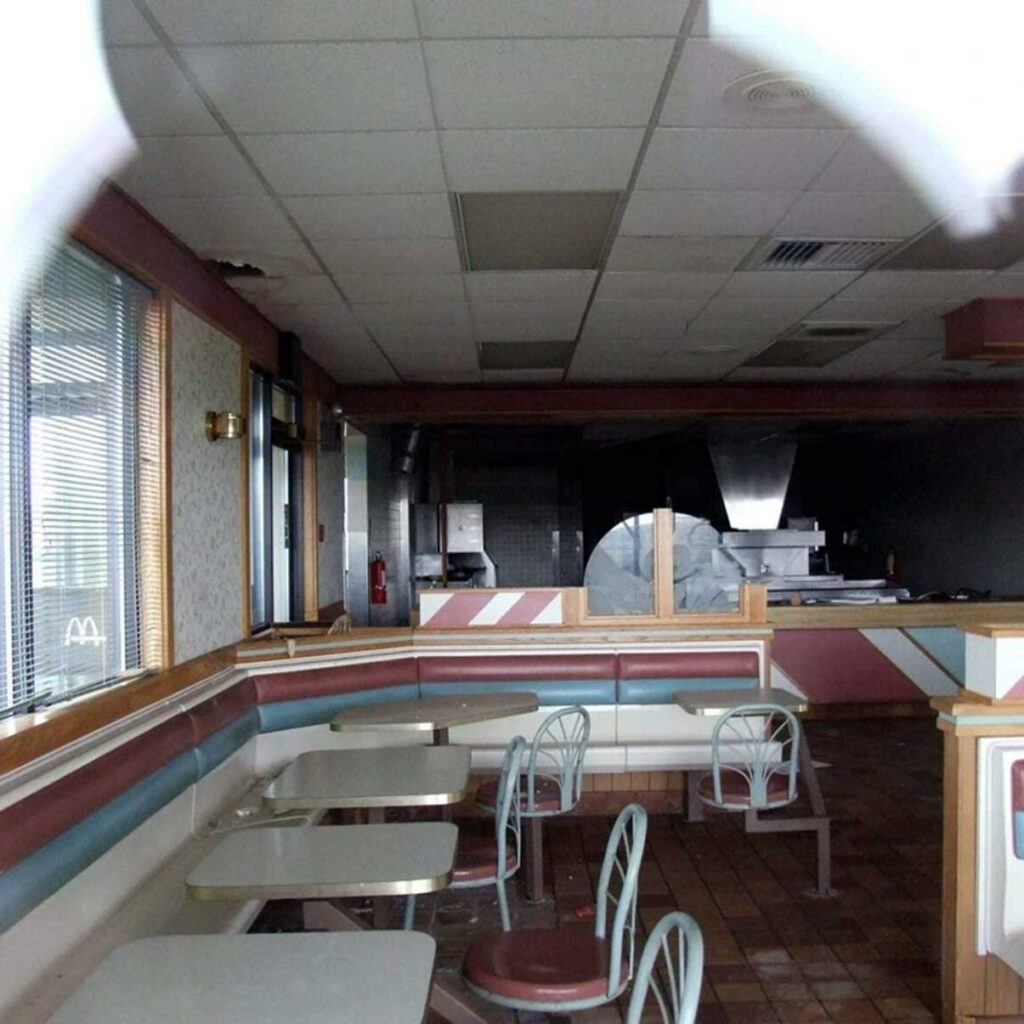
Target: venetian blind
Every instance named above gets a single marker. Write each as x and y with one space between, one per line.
72 603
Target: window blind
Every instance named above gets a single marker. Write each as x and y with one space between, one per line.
72 604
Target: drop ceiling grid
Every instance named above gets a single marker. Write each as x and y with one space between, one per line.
263 167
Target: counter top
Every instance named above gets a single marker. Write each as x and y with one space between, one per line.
894 616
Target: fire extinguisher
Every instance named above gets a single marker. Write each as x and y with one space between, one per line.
378 579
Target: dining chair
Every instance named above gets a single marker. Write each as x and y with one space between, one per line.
485 860
481 860
672 968
560 970
754 759
553 784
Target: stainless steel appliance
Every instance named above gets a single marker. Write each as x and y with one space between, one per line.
456 557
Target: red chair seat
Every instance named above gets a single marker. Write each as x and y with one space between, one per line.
541 965
477 859
736 790
548 795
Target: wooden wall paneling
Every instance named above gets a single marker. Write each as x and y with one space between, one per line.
664 596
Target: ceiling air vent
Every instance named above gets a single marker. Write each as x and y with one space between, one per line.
770 92
819 253
816 343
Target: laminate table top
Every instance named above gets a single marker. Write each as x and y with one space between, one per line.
377 778
316 978
327 862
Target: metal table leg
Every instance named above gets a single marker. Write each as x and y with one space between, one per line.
535 859
694 804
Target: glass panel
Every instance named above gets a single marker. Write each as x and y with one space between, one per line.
705 575
281 535
620 572
283 405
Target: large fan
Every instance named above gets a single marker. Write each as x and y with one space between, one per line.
620 571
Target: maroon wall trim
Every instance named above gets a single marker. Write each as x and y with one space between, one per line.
688 665
581 404
31 823
497 668
218 711
342 679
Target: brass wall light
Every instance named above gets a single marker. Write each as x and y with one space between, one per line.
227 426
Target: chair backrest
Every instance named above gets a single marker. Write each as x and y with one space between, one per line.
756 742
507 824
676 946
617 887
557 753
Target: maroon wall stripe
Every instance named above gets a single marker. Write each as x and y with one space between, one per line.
688 664
342 679
34 821
218 711
499 668
835 665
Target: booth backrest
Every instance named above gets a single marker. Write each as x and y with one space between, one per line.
652 678
288 700
54 833
558 679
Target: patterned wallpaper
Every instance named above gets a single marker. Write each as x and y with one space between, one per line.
330 487
206 489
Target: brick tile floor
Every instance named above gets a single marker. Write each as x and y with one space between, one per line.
773 952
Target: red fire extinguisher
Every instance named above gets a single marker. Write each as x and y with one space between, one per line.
378 579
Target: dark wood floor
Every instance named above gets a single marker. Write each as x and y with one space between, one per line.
773 953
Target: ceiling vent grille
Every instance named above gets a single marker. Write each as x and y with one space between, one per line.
819 253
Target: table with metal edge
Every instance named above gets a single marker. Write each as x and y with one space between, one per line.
376 779
435 715
349 978
719 702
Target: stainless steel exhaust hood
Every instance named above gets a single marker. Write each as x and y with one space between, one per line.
753 479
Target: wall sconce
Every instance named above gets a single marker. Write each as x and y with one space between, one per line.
229 426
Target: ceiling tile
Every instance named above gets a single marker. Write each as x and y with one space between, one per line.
704 213
288 87
403 287
154 94
416 321
530 286
1005 285
204 223
124 26
882 356
350 361
426 215
929 326
749 318
786 284
546 83
697 97
289 257
255 21
855 215
751 159
526 321
659 318
860 167
310 289
468 19
673 254
678 364
522 376
538 159
391 256
931 285
336 163
444 359
936 368
189 166
652 284
332 318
